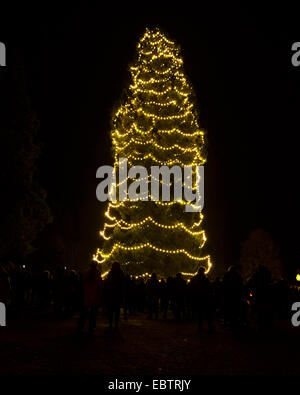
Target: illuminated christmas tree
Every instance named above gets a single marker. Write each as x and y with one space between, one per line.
156 126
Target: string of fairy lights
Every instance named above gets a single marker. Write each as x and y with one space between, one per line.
158 105
160 131
157 202
122 224
156 161
153 247
156 145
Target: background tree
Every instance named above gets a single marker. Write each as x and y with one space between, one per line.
156 125
260 249
24 211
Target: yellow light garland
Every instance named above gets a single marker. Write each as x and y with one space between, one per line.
148 245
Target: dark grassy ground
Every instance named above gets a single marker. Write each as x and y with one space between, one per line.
143 346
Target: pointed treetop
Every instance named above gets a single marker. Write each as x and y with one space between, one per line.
155 36
154 46
156 42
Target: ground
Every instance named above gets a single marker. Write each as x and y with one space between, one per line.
143 346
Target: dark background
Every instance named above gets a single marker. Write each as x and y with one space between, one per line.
239 62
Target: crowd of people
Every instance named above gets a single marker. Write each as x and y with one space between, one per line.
228 300
22 289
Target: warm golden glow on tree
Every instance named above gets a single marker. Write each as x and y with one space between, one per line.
156 126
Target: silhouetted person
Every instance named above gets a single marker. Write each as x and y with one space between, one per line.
59 291
164 300
189 301
203 299
140 295
72 292
218 296
44 290
133 308
92 287
28 286
5 289
114 293
233 292
152 288
171 293
179 296
129 300
262 293
282 299
17 289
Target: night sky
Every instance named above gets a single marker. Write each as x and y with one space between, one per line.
239 63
